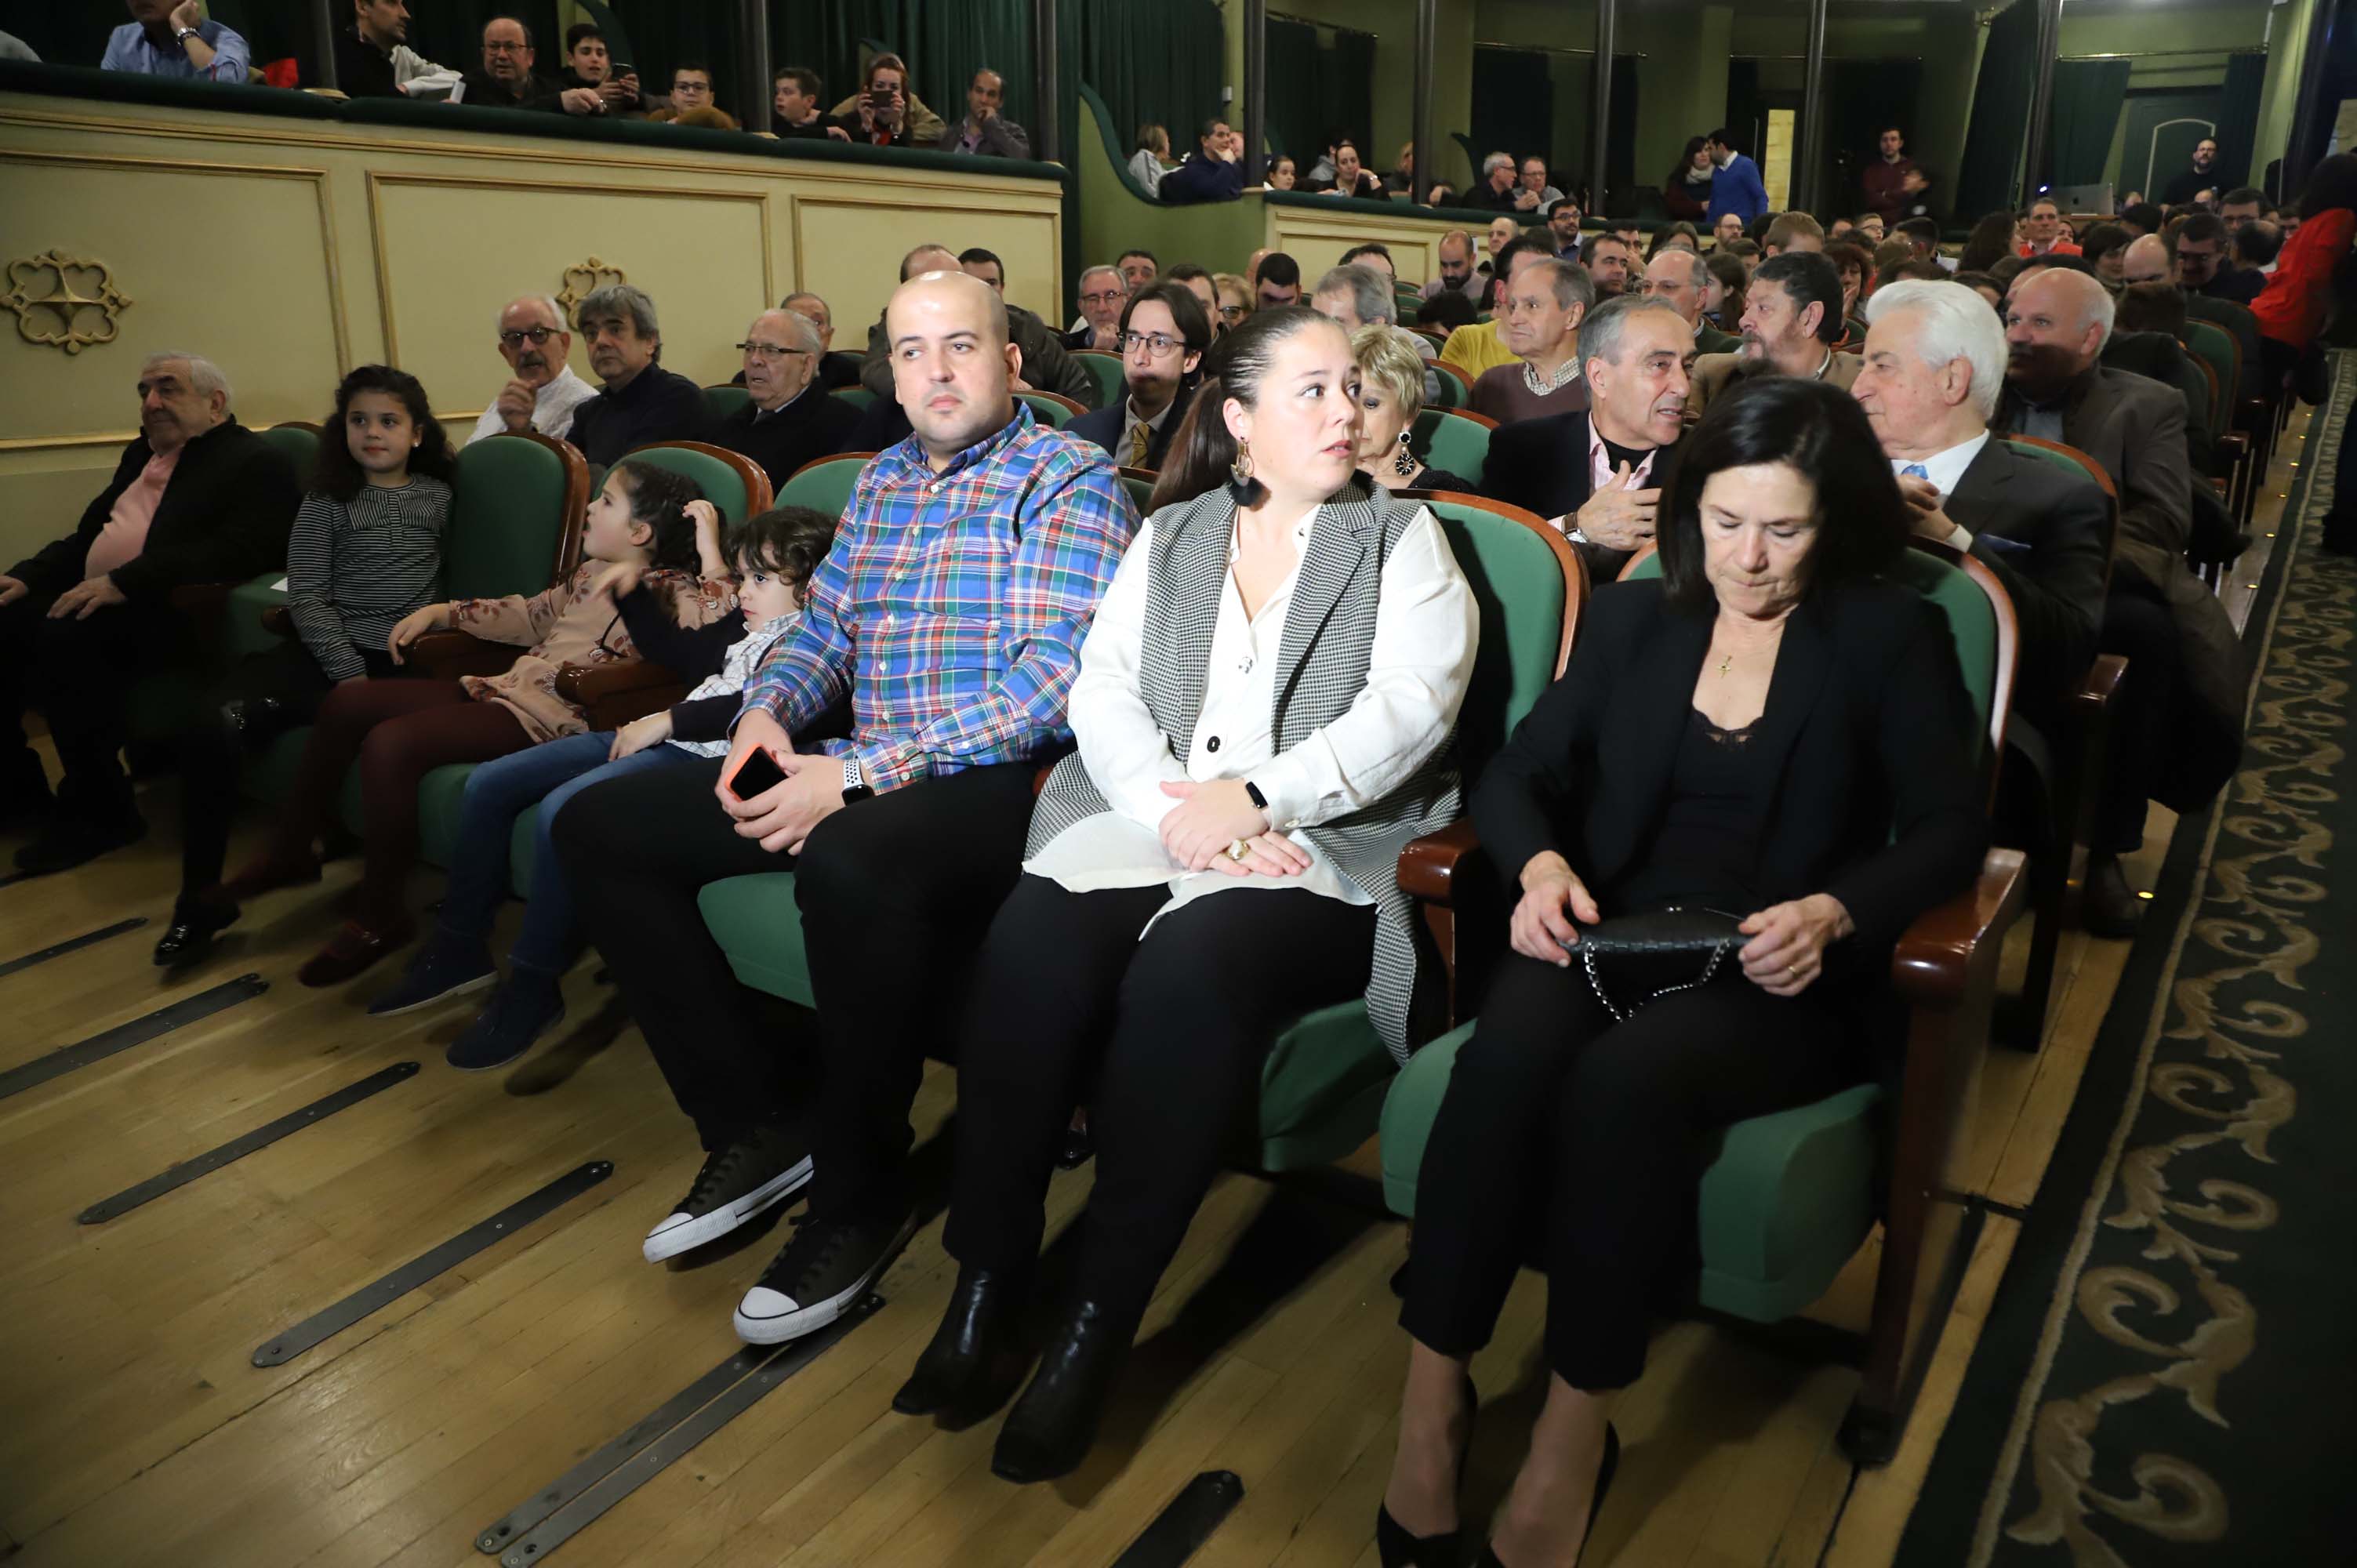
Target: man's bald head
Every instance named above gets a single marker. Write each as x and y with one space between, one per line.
2145 260
951 363
928 259
2056 324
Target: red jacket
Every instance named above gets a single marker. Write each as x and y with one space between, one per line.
2292 308
2060 248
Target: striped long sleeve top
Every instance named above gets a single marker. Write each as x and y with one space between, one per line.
354 568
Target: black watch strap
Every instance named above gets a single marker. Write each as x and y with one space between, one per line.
1252 792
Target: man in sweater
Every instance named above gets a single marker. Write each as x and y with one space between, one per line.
1538 318
1894 184
1216 172
197 497
639 402
1737 186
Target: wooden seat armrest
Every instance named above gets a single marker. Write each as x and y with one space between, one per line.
1951 950
447 655
200 600
2100 685
1427 867
2235 444
278 620
585 685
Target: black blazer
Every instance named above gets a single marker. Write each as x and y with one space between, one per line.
2062 525
1540 465
813 425
1867 728
1107 426
224 517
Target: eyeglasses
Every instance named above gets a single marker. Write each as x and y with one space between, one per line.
1105 296
1232 312
767 351
1158 345
535 336
500 47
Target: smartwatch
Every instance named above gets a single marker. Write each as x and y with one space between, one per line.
854 782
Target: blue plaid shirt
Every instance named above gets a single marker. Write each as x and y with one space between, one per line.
128 49
953 605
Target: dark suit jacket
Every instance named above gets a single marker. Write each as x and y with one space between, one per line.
1202 179
1868 730
2063 527
813 425
1540 465
657 405
1108 427
224 517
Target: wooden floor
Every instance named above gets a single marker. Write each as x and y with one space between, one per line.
136 1429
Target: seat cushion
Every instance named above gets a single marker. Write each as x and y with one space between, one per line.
758 924
439 796
1321 1088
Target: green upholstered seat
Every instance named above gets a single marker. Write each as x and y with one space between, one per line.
760 927
2215 347
721 403
858 397
1789 1196
1112 384
1046 409
1454 390
1141 489
722 484
1453 443
825 484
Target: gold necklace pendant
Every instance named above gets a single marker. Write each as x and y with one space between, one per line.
1724 663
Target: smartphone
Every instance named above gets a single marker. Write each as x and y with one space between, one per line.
757 773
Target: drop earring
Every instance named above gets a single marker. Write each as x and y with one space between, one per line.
1404 461
1241 470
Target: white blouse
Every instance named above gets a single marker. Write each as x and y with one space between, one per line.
1425 628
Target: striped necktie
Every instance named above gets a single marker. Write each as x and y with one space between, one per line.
1140 435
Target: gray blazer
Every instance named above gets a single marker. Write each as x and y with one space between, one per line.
1330 634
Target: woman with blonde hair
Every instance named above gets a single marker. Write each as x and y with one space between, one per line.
1235 296
1391 395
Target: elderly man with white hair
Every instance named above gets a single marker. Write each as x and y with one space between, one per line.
197 498
789 420
543 391
1357 294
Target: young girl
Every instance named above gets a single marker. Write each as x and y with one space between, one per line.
366 551
402 730
774 555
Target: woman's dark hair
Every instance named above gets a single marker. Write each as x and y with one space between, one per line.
1727 268
1990 241
2331 186
1685 163
2101 240
1821 431
338 472
1186 314
786 542
659 498
1982 280
1203 453
2150 307
1669 231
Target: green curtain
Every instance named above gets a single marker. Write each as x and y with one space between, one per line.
1620 140
1350 78
1320 89
1153 61
2088 97
1988 179
1514 105
1862 96
2238 118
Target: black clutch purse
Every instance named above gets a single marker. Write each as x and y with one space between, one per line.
1649 956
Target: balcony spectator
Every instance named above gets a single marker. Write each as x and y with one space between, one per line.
1283 175
1402 179
1533 192
172 38
835 369
1736 188
692 101
507 79
1686 193
794 111
1351 176
589 85
1499 187
985 132
543 392
1151 157
1894 186
639 402
885 114
1214 172
373 59
790 420
2188 184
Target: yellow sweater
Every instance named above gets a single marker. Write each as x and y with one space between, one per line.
1475 349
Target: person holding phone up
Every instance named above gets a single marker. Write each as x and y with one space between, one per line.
885 113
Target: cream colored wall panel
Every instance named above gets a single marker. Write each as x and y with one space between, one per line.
46 492
453 248
851 247
1318 240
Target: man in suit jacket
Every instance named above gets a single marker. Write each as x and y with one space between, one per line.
2178 734
1215 173
1164 333
1682 278
1791 319
1737 186
790 420
1597 474
197 497
2147 260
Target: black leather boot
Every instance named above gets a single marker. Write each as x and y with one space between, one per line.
975 1359
195 921
1054 1424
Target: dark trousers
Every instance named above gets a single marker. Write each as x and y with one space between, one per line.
2138 625
1179 1023
264 695
895 894
79 675
399 731
1591 1137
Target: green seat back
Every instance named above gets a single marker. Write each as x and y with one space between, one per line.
721 484
508 520
1452 443
724 403
825 485
759 929
2216 348
1048 410
1453 392
1112 384
301 447
1140 489
1518 589
2047 455
858 397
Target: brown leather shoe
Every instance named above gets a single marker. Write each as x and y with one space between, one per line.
352 950
268 873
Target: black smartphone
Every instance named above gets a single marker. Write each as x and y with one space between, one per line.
756 774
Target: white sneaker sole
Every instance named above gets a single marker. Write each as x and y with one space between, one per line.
794 1325
669 1241
464 988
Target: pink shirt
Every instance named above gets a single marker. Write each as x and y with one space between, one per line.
126 533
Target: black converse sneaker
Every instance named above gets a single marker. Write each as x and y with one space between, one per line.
828 1265
737 1182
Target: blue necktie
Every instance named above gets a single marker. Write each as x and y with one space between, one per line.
1916 471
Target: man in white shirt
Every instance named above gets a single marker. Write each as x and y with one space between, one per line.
545 390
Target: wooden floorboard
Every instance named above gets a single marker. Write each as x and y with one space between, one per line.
140 1433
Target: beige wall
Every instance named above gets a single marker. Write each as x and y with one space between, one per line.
291 249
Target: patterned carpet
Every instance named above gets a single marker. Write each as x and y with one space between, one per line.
2166 1374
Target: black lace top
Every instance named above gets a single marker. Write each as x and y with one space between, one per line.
1705 850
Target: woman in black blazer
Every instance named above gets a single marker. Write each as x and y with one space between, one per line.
1743 735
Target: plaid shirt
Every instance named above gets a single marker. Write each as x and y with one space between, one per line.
953 605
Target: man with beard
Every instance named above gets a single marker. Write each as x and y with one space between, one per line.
2176 726
544 392
1597 473
2188 183
790 420
639 402
1611 262
1791 319
1456 267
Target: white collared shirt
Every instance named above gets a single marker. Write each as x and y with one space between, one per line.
552 408
1945 470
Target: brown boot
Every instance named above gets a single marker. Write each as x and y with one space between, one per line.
352 950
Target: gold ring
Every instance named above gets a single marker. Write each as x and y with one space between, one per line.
1792 972
1238 849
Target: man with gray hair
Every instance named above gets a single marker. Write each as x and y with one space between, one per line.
639 402
1103 292
1359 296
1539 313
1498 188
789 420
196 499
1682 278
544 392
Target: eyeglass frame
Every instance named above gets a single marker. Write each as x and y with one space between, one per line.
1133 341
769 351
517 337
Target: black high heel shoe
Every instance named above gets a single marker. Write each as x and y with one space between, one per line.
1399 1548
973 1362
1611 1462
1054 1424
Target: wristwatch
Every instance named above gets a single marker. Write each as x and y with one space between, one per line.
854 782
184 34
1260 802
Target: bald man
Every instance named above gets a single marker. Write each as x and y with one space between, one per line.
790 420
951 613
2146 259
1042 364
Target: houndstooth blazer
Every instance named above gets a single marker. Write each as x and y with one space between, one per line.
1329 633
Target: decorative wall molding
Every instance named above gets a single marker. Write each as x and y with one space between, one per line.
584 278
65 302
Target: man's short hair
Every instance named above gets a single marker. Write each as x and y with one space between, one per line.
205 378
1722 136
1957 324
2059 261
618 299
922 250
701 69
976 254
1791 226
1600 331
1570 283
2151 307
1371 248
2203 226
519 21
2244 195
1919 269
806 82
1495 162
574 34
1280 269
1135 252
1920 229
1743 245
2258 242
2146 216
548 302
1371 295
1183 273
1809 279
1209 127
